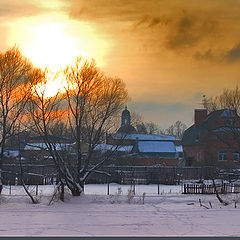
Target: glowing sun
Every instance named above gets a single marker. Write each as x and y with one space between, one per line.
51 46
55 42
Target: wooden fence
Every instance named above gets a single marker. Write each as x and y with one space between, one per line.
151 175
47 174
32 174
210 189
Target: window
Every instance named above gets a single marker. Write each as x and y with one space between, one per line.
236 157
197 138
228 113
222 156
199 156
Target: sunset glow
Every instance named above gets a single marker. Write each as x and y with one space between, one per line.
50 88
51 46
56 84
53 42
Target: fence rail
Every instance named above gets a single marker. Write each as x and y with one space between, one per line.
210 189
152 174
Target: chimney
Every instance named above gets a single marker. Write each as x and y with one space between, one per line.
199 116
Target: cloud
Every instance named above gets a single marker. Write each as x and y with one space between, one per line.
150 22
208 55
188 30
16 8
185 27
201 31
106 11
233 54
183 33
224 56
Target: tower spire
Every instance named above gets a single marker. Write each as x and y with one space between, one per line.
126 117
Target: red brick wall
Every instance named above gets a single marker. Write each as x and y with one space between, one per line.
209 153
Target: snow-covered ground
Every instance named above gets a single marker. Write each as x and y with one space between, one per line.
96 214
99 189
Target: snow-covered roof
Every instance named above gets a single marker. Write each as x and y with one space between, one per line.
156 147
179 148
11 153
108 147
146 137
41 146
228 113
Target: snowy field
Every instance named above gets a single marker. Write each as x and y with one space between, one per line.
96 214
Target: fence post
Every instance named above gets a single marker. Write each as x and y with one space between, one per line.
158 189
10 190
36 190
108 188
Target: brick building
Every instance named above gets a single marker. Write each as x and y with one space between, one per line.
213 139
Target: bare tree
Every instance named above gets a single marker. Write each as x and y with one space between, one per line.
144 127
94 102
14 69
177 129
153 128
89 107
229 98
44 114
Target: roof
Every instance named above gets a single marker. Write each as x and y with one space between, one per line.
11 153
145 137
42 146
108 147
229 113
179 148
126 129
195 134
156 147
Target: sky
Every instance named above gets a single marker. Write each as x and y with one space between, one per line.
168 52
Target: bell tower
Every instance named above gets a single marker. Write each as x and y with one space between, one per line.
126 117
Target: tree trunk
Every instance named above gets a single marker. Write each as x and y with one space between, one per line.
1 164
1 185
34 201
62 192
217 194
75 188
75 191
